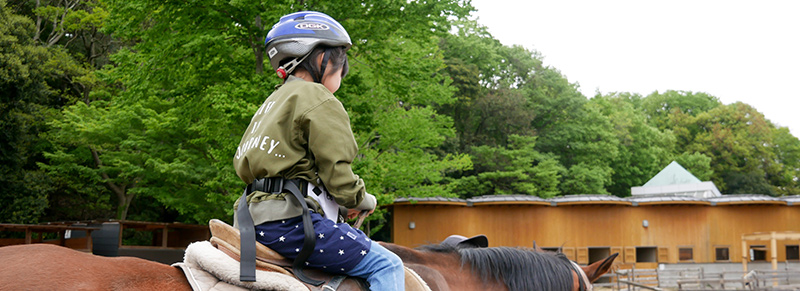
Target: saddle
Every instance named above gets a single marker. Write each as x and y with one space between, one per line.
269 263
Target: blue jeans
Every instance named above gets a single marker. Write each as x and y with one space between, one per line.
383 269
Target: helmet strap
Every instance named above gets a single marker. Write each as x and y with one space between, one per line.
287 69
325 57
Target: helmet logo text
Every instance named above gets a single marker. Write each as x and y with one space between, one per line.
311 26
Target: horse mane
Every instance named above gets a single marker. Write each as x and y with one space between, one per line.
517 268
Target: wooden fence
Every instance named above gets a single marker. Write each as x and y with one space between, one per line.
699 279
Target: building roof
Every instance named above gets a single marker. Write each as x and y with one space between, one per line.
675 180
672 174
595 199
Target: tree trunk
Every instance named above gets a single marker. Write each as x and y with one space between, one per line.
121 191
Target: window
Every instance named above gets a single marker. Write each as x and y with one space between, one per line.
758 253
723 254
685 254
646 254
598 254
792 252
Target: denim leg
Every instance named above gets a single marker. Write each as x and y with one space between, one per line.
383 269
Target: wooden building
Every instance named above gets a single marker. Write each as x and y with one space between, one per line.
686 225
645 231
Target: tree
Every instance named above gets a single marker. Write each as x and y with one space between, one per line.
738 140
489 106
643 149
786 148
515 169
660 107
580 137
35 82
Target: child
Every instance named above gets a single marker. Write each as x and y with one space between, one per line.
301 136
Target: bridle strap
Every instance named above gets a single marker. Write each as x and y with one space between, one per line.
583 281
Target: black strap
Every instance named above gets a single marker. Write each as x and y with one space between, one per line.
247 231
325 57
310 236
247 228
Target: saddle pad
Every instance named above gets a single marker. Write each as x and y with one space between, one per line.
204 281
414 282
203 256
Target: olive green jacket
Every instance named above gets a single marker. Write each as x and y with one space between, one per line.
300 131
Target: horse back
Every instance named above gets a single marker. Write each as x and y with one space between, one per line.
51 267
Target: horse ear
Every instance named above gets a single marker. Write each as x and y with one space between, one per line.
594 271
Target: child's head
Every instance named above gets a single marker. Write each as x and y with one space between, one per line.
309 41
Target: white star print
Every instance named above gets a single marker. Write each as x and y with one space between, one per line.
341 237
281 238
297 250
261 233
321 235
363 252
283 221
341 252
335 226
342 269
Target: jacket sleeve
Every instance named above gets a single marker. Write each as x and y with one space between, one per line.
331 141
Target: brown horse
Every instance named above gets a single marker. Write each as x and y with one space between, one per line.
49 267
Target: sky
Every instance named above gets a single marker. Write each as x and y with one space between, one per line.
737 51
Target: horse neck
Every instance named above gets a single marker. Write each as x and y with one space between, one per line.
521 269
443 270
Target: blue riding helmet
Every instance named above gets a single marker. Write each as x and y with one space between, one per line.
297 34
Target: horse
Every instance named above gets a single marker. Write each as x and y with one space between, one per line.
443 267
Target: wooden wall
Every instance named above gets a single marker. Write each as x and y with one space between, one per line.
581 227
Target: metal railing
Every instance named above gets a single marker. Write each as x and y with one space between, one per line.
699 279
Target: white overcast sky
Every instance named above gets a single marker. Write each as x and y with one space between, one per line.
746 51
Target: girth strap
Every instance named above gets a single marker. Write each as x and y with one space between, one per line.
274 185
334 283
247 232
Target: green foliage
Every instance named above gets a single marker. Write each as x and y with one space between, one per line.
787 160
659 108
643 149
34 81
134 109
515 169
188 85
738 139
696 163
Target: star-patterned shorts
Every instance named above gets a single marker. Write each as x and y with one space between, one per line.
339 247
